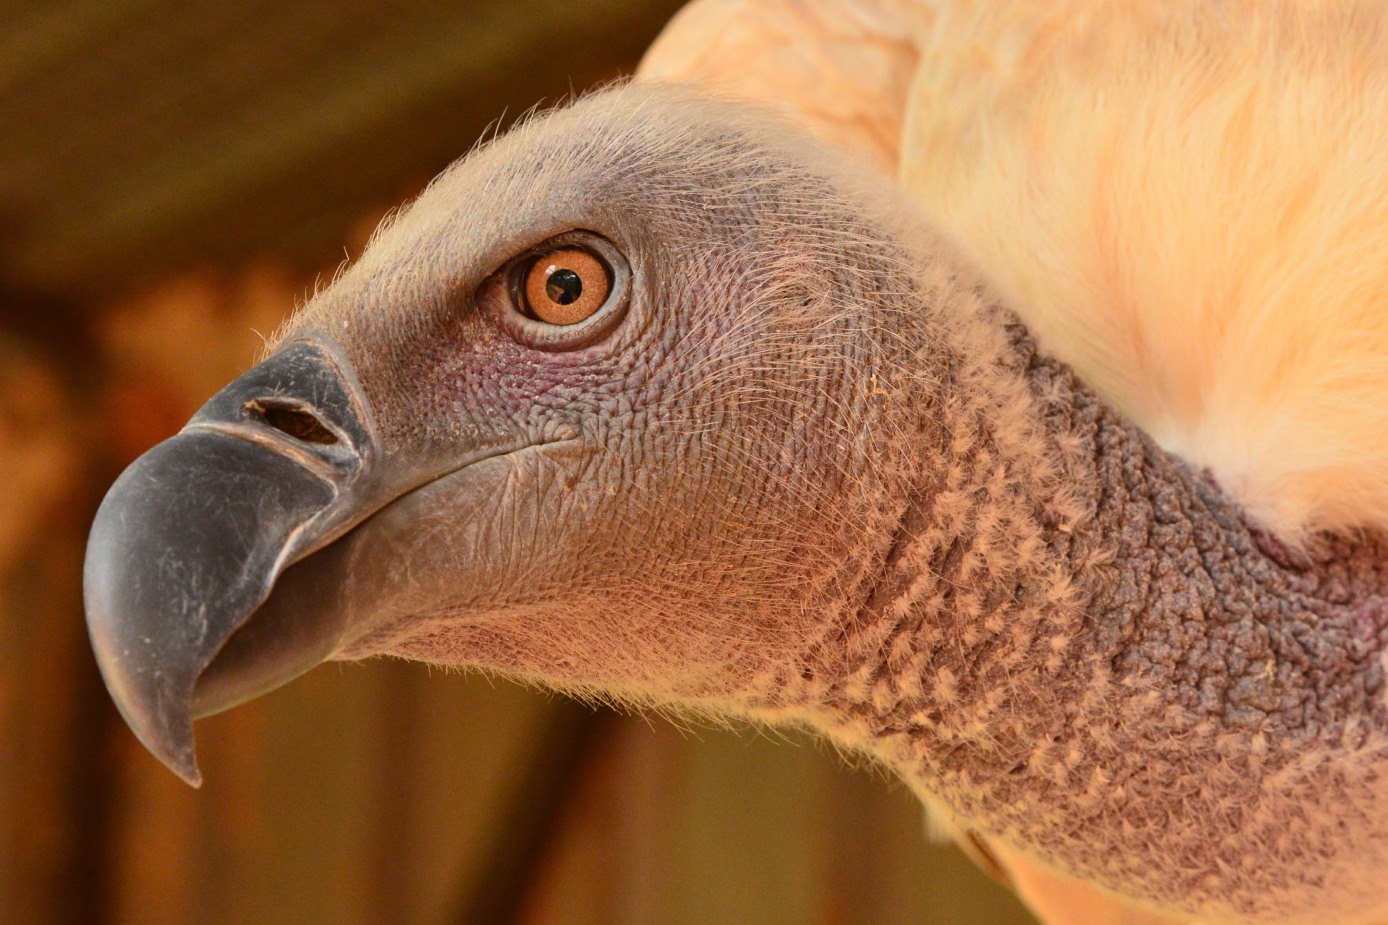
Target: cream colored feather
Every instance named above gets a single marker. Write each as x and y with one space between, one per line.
1187 200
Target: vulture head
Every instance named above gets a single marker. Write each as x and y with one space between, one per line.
614 405
654 400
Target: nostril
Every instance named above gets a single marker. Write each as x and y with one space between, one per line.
291 420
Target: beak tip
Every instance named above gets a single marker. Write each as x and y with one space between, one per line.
163 725
177 754
189 773
182 761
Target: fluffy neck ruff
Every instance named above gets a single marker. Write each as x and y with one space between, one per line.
1077 645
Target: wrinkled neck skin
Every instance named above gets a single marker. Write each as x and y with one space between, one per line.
1077 645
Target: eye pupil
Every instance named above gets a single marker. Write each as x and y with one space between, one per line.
564 286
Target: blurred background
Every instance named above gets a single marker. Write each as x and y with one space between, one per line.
174 176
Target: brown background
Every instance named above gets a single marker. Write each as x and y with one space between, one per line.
174 174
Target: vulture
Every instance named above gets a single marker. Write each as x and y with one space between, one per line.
999 390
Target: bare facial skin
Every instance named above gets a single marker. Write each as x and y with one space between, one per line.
801 467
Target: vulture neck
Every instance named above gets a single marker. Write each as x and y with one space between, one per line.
1077 644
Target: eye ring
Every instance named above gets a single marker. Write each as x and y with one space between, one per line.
575 316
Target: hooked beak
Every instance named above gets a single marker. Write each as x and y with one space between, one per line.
192 537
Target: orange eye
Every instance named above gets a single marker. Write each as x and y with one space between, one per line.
566 286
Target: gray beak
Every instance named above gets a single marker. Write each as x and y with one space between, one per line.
192 537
